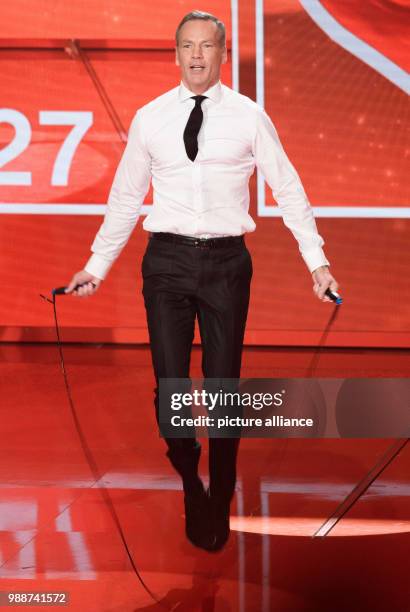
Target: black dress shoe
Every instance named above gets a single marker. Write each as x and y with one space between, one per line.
198 526
220 511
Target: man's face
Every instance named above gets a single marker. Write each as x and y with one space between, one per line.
199 54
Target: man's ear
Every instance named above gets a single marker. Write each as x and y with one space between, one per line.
225 56
176 56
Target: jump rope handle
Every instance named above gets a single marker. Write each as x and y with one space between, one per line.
334 296
61 290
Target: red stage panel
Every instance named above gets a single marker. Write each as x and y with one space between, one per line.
119 19
383 25
341 122
343 125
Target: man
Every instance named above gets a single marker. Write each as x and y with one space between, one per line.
199 143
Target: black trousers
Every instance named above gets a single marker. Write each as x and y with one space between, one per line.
180 283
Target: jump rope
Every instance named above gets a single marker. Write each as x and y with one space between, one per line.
87 452
335 297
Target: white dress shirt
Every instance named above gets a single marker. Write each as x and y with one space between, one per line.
207 197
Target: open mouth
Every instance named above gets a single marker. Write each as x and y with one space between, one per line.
197 68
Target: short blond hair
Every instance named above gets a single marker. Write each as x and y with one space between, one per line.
205 17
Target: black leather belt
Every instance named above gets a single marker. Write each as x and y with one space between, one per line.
224 241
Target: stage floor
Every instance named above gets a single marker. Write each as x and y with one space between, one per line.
57 532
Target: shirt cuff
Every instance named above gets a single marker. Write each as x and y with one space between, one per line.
98 266
315 258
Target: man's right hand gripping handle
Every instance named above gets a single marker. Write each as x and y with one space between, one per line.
89 284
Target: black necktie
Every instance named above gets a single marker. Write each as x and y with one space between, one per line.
192 128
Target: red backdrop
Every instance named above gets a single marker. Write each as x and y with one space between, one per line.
341 119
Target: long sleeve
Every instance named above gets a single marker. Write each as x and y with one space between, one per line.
129 188
288 191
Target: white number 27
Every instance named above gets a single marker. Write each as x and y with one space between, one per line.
81 122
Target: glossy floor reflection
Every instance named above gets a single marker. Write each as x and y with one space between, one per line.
57 532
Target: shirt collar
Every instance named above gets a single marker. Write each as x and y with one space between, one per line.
214 92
